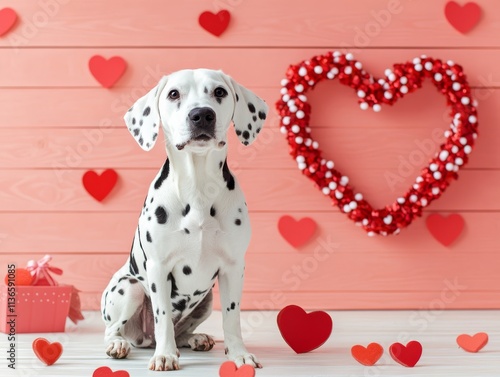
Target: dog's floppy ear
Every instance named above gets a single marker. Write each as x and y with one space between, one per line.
143 119
249 113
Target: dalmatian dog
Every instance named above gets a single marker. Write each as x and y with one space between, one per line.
194 226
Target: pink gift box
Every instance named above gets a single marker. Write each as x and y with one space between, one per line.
38 308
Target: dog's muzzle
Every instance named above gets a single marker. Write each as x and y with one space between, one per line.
202 122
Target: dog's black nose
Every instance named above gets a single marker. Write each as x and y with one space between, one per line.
202 118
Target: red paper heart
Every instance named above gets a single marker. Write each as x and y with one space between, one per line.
302 331
99 186
296 233
107 372
445 229
408 355
107 71
8 18
367 355
433 180
462 18
47 352
215 24
229 369
472 343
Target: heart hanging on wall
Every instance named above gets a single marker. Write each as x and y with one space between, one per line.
445 229
462 18
296 233
215 24
107 71
8 18
99 186
401 80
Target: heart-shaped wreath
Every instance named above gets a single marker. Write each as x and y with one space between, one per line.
402 79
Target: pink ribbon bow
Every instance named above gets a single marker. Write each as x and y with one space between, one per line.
41 271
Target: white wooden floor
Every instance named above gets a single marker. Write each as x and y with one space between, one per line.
84 349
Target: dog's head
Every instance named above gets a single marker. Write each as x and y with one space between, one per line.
195 108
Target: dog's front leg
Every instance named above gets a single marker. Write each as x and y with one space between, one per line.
166 356
231 286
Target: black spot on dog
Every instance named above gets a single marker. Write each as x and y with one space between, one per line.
199 293
140 278
262 115
228 178
219 100
193 305
146 112
136 132
178 105
108 317
155 135
246 135
133 264
164 312
158 311
233 305
122 278
165 170
175 290
240 210
186 210
205 90
237 222
133 121
238 132
139 341
161 215
215 275
132 108
179 306
132 281
237 97
249 126
212 211
141 141
124 322
121 291
186 270
149 218
220 165
258 130
251 107
153 287
186 230
246 143
254 118
156 319
148 237
152 199
113 289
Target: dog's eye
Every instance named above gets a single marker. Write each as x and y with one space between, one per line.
220 92
173 95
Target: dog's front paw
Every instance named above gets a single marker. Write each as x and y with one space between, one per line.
118 349
164 362
201 342
245 359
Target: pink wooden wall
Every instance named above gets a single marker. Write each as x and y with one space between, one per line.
56 122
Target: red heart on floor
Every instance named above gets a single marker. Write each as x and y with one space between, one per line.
445 229
472 343
372 92
107 71
229 369
302 331
99 186
215 24
408 355
47 352
8 18
106 372
296 233
462 18
367 355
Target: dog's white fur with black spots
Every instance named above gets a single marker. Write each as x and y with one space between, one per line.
194 227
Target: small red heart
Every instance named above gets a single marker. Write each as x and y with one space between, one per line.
462 18
445 229
99 186
107 71
47 352
8 18
296 233
229 369
406 356
472 343
106 372
215 24
302 331
367 355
